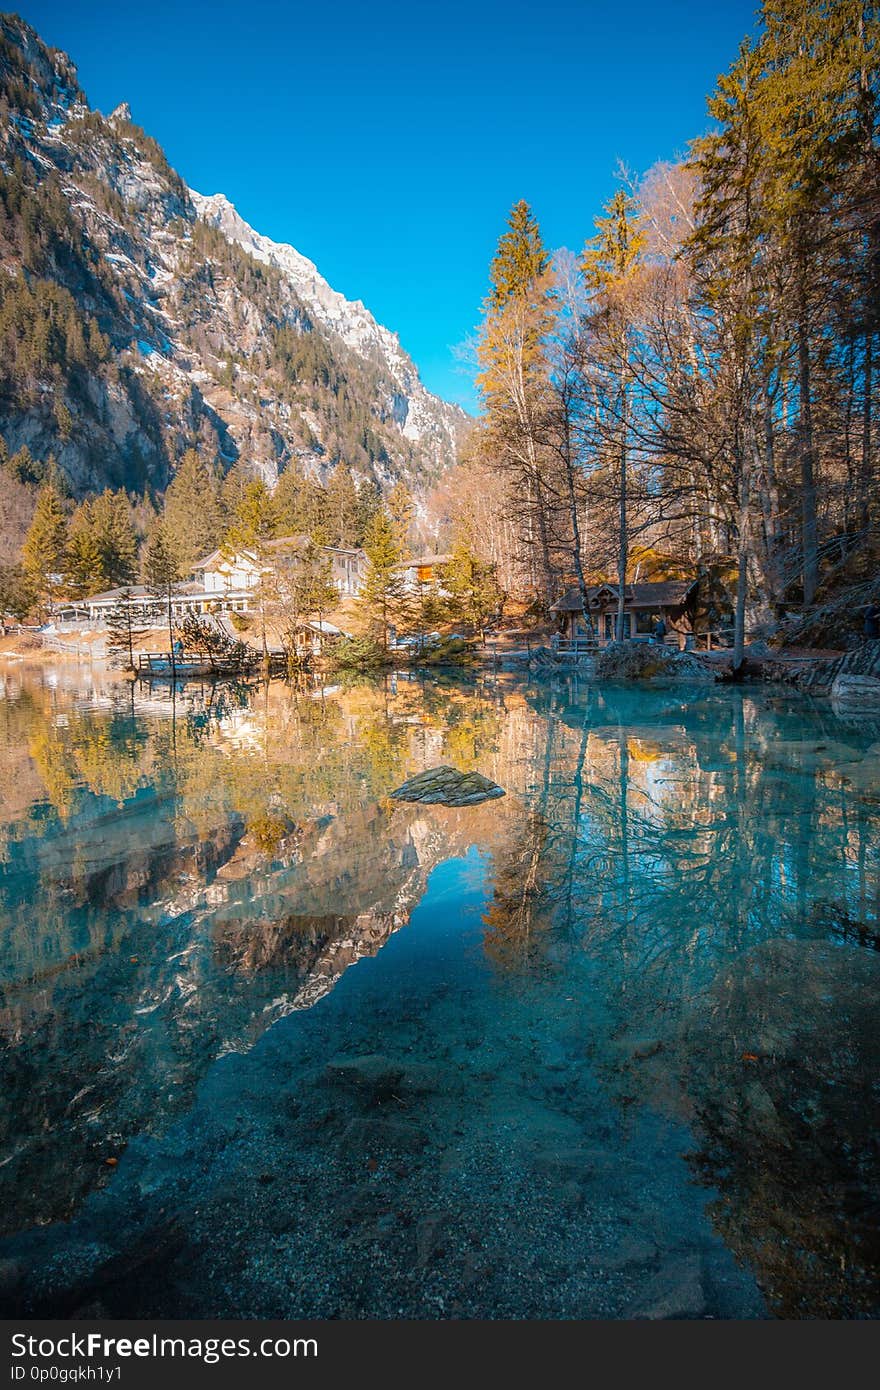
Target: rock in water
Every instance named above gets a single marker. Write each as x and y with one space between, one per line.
859 694
633 660
445 786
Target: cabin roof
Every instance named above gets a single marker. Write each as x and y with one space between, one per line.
571 602
661 593
354 550
323 627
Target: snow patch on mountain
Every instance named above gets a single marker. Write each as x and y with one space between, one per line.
420 415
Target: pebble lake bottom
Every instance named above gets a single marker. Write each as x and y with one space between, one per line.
274 1045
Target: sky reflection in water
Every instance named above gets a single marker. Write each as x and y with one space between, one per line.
605 1047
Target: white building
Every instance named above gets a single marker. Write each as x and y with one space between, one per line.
228 573
225 581
147 605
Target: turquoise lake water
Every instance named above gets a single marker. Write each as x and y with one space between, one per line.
274 1045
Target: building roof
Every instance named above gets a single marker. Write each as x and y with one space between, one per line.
323 627
352 550
571 602
137 593
661 593
225 557
300 541
114 595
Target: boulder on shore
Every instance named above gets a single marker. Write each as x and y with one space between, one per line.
649 661
446 786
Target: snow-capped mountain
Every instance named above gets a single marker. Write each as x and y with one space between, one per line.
421 416
144 318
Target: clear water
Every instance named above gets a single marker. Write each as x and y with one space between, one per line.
274 1045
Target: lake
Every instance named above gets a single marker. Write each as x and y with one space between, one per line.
275 1045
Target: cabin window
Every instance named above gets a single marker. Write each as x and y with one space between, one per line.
425 574
611 626
645 622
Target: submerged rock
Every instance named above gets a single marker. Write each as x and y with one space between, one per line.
446 786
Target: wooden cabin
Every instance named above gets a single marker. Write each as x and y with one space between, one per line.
673 600
313 638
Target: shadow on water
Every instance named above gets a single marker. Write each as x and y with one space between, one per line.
274 1045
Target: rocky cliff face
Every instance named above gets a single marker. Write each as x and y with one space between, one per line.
138 318
431 424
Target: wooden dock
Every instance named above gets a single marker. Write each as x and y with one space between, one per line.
164 666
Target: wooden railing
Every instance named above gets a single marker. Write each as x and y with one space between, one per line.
53 643
196 664
583 645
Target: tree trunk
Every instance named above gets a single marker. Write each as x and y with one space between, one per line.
171 634
770 504
543 531
865 478
742 557
570 470
808 480
623 533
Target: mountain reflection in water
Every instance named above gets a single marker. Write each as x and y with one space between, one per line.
615 1054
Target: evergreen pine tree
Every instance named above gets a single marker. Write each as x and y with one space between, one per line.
302 506
193 510
256 518
473 589
84 554
116 537
122 630
232 489
369 501
103 543
44 552
382 596
161 572
342 507
521 259
255 524
401 510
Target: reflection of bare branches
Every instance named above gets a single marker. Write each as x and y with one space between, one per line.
669 846
515 913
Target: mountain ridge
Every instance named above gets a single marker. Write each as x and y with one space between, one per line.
350 319
139 318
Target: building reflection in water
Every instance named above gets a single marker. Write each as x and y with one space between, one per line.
183 868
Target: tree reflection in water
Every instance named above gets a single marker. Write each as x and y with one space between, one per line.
685 886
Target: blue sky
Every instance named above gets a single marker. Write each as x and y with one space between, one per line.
387 140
